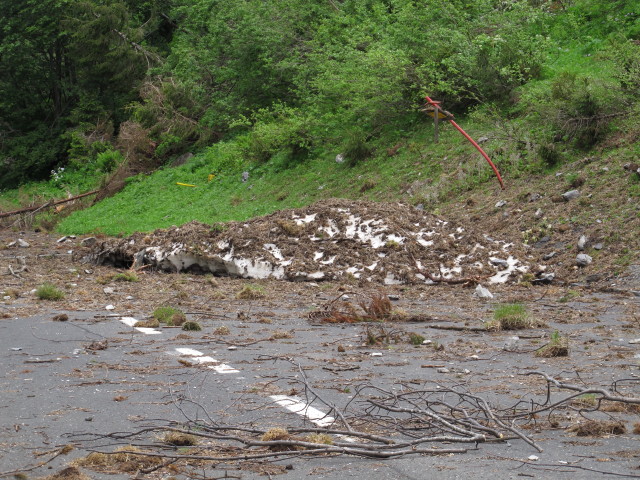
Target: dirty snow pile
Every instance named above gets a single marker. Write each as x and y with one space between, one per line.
329 240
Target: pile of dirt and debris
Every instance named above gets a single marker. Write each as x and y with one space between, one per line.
331 239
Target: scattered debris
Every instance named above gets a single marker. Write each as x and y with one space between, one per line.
598 428
101 345
332 239
63 317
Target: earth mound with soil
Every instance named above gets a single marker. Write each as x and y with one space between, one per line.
388 243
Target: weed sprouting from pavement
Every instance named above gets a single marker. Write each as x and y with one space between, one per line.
511 316
191 326
48 291
250 292
126 277
179 439
558 346
165 314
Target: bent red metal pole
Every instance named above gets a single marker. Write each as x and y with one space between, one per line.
466 135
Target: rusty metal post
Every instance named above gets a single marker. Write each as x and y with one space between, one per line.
436 121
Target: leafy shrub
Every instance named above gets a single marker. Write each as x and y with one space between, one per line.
582 108
275 130
549 154
108 160
357 148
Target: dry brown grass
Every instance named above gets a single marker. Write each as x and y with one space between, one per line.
125 459
250 292
68 473
179 439
279 334
597 428
149 323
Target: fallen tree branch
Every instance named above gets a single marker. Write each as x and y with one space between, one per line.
46 205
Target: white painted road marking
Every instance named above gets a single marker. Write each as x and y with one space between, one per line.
292 404
198 357
224 368
132 323
296 405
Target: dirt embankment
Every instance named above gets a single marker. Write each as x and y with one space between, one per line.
386 243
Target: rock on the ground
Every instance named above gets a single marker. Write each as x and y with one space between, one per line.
482 292
89 241
570 195
582 260
582 242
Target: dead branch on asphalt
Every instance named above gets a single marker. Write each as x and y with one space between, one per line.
598 395
376 422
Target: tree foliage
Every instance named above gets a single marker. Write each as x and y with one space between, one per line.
286 77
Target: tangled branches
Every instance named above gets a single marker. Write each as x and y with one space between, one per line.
376 422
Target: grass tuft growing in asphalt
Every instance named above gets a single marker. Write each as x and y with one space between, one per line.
48 291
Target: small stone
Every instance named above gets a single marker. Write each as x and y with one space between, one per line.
22 243
443 370
427 342
341 349
474 357
571 195
89 241
482 292
108 290
549 256
483 139
393 297
232 347
375 354
129 297
499 262
545 278
63 239
533 458
501 203
109 307
245 176
340 158
534 197
582 242
538 213
598 246
582 260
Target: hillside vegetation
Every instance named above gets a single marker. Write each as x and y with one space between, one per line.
111 94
